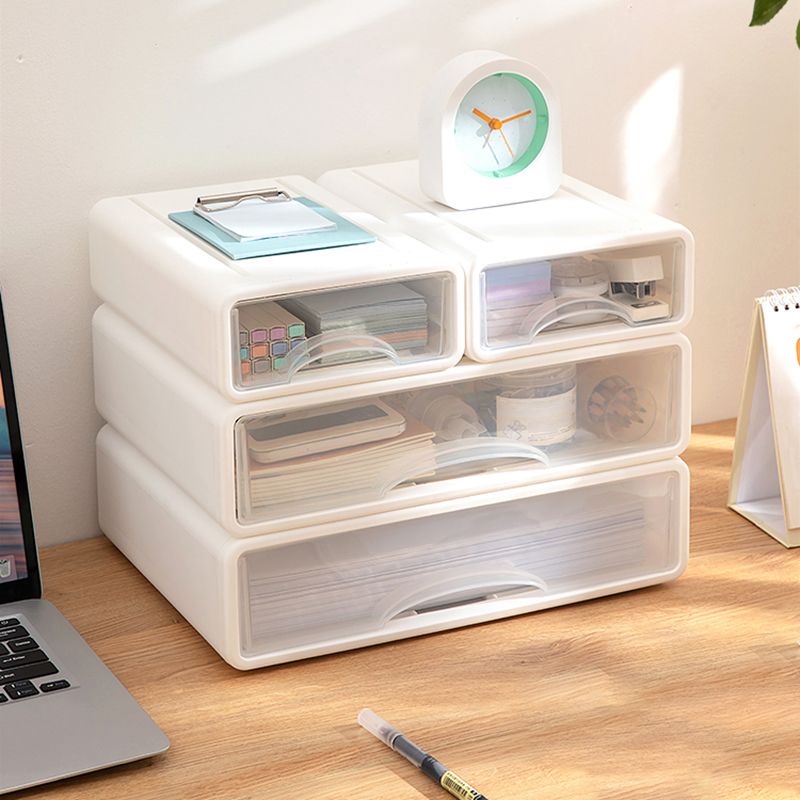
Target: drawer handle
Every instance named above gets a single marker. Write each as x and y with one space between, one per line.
324 345
475 583
553 311
463 451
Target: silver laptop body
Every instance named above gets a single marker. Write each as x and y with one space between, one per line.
62 712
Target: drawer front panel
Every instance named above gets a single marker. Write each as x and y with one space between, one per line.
443 570
530 306
352 333
453 439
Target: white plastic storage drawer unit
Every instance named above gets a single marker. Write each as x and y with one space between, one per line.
580 267
276 598
283 463
279 324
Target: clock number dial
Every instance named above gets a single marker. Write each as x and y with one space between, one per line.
510 109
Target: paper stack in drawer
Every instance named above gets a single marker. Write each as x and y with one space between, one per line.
313 481
396 314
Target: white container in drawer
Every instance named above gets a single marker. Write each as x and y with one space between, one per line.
273 465
581 267
277 598
280 324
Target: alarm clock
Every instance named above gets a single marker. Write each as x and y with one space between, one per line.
490 133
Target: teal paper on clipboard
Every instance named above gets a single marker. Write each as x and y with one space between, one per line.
345 233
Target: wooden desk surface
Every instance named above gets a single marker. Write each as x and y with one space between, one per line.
687 690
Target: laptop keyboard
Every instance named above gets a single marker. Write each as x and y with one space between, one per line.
21 661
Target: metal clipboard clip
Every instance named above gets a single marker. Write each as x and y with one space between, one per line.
219 202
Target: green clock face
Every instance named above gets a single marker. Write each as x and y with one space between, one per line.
501 125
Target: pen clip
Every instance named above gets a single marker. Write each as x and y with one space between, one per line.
232 199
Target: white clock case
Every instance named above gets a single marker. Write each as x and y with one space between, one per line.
444 176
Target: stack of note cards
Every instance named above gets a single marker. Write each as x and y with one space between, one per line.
511 294
391 312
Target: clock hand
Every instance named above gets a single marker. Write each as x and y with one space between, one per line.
516 116
495 125
506 141
484 117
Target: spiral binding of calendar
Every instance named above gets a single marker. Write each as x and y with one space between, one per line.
782 299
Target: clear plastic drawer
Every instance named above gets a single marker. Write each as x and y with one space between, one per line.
580 413
465 565
353 332
523 302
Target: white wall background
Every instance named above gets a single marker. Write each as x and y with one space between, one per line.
675 104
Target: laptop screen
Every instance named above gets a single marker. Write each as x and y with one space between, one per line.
19 573
12 545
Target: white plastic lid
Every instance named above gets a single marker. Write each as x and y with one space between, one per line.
577 272
537 378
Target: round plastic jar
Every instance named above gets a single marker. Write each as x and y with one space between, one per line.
577 277
537 406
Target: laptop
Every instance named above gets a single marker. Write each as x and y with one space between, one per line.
62 712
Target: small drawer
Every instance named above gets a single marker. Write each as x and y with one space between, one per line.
350 334
517 306
581 267
282 324
270 466
282 597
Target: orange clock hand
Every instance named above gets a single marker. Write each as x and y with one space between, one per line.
516 116
506 141
484 117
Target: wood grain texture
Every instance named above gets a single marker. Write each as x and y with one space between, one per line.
687 690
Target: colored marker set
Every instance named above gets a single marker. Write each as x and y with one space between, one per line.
267 332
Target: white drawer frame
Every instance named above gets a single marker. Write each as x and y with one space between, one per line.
182 291
196 564
578 219
187 429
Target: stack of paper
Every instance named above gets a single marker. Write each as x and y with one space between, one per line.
358 473
255 219
392 312
346 583
511 293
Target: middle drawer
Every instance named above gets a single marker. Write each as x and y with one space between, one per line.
335 454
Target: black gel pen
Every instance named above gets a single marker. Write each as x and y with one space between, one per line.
392 737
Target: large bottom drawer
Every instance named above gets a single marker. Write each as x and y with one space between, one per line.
280 597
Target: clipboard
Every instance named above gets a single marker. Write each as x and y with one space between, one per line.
344 234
